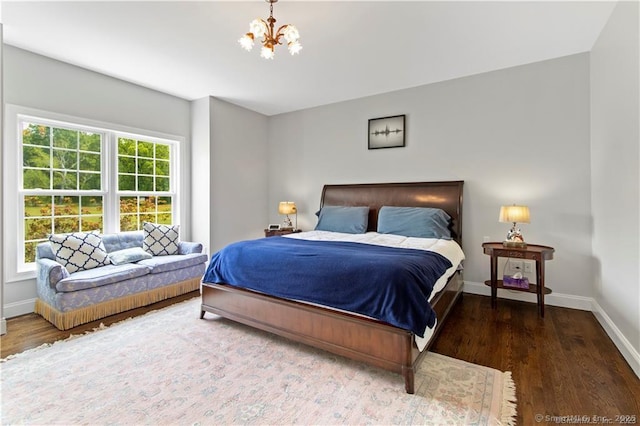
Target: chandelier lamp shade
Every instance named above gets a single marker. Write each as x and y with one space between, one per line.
261 28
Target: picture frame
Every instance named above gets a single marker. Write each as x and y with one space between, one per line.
386 132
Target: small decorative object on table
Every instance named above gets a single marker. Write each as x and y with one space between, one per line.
514 214
516 281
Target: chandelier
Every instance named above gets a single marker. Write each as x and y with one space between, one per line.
259 28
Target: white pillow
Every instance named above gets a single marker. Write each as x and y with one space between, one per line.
79 251
160 240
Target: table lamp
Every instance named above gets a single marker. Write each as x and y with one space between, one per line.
514 214
287 208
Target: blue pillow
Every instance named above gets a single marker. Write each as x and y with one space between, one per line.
421 222
129 255
350 220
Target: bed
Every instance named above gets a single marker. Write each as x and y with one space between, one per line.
343 333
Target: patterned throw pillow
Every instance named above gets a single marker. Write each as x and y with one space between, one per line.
160 240
79 251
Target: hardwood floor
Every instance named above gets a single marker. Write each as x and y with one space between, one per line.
563 365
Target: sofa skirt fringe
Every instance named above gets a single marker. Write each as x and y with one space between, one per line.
70 319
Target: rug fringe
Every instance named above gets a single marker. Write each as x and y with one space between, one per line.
67 320
509 406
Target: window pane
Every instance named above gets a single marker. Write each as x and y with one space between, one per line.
145 167
65 180
145 183
63 159
129 222
126 183
147 204
162 184
91 223
64 138
89 181
91 205
36 157
128 205
36 179
145 149
90 141
35 229
147 217
66 206
126 165
162 151
126 146
37 206
35 134
90 162
164 218
162 168
30 251
164 204
63 225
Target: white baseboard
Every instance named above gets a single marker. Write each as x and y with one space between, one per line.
3 326
22 307
629 353
553 299
622 343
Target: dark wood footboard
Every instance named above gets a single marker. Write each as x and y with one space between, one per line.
352 336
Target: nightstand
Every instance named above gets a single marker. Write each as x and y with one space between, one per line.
276 232
531 252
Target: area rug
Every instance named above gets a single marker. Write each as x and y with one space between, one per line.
170 367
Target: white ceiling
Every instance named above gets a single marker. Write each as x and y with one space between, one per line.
350 49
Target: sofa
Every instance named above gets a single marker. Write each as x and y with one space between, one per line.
126 277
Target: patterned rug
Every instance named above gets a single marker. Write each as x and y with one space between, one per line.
170 367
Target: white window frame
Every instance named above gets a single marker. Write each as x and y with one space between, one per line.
15 269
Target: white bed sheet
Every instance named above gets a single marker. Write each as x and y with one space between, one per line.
447 248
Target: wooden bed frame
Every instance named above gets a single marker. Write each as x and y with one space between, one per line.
362 339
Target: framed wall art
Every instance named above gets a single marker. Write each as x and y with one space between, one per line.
386 132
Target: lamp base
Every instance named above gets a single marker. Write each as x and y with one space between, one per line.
517 244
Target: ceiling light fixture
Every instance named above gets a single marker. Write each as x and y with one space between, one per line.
258 28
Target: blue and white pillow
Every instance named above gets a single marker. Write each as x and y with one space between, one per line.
79 251
160 240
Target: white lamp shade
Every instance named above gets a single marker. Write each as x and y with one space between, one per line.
519 214
287 207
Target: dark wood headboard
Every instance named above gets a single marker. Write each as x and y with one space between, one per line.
444 195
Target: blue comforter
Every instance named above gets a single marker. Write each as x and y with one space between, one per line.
389 284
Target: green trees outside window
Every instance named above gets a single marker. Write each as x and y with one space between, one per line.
64 175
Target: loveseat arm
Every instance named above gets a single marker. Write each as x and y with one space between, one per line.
50 272
186 247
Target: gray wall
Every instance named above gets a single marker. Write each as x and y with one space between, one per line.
615 137
229 176
34 81
519 135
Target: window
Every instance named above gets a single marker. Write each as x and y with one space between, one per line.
144 175
61 182
74 177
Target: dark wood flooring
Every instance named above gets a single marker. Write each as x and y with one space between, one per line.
563 365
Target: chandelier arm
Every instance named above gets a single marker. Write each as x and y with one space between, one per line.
280 33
